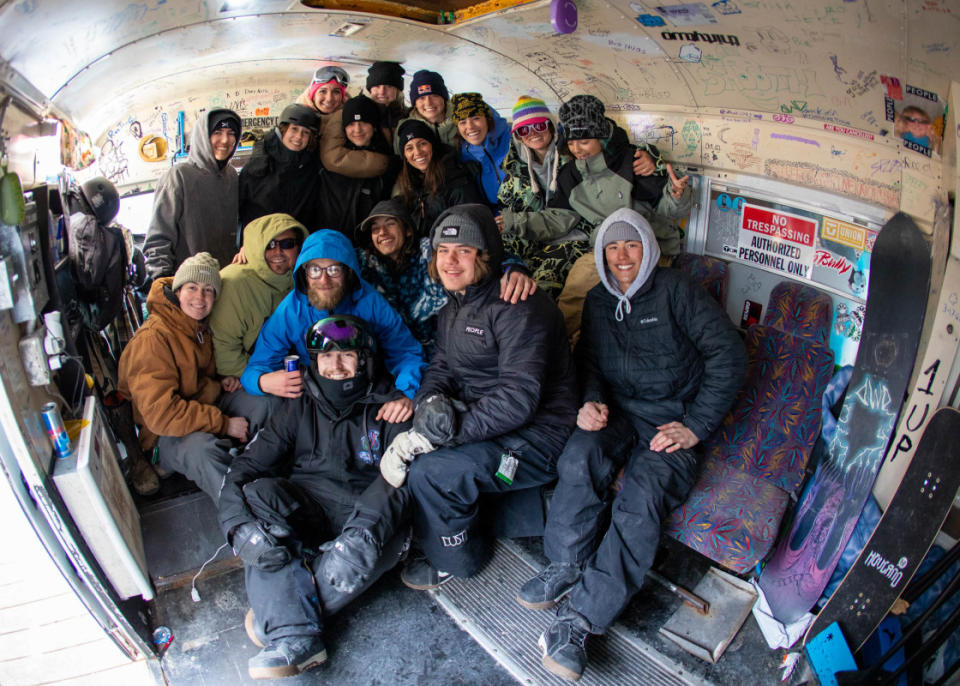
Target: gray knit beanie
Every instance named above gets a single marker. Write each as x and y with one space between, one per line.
620 231
458 228
202 268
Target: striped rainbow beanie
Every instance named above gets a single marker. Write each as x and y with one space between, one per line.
529 110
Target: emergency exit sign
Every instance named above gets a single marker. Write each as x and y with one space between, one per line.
777 241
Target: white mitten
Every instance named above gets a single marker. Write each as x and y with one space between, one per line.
400 453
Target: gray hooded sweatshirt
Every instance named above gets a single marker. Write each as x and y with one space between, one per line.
194 209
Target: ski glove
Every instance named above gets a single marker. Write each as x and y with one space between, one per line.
436 418
256 547
348 560
400 453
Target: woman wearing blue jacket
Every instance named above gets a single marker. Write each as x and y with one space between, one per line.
484 137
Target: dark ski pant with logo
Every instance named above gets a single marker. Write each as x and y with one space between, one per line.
447 484
288 601
617 557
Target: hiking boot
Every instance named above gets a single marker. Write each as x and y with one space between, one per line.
420 575
142 477
287 657
546 588
564 646
251 629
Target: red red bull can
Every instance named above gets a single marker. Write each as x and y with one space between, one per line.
291 363
56 430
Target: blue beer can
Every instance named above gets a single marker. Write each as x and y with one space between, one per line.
291 363
56 430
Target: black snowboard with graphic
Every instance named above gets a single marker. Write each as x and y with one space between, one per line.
897 296
902 537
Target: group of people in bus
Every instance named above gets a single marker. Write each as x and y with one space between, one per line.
387 357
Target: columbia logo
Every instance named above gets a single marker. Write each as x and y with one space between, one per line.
649 320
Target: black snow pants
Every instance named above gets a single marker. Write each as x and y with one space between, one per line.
618 557
289 601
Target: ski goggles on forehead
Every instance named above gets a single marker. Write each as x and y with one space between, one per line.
283 243
325 74
527 129
336 333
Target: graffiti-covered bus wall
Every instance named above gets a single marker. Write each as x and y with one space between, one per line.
816 93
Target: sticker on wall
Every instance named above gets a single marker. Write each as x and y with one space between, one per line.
846 330
688 14
917 115
690 53
650 20
751 314
726 7
777 241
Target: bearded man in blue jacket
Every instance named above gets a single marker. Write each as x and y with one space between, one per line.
327 282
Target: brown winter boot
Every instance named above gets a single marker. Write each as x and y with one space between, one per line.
142 477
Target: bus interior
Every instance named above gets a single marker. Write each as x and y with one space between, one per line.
792 108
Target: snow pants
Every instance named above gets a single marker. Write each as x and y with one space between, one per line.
618 556
446 486
290 601
204 457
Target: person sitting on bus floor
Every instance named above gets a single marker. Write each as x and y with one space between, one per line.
253 290
310 475
385 85
497 401
397 265
195 204
432 178
326 281
549 240
345 200
600 180
282 174
483 136
660 364
168 373
430 99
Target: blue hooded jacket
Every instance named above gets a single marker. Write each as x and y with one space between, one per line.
287 327
490 155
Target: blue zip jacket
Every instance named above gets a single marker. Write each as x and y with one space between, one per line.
490 155
286 328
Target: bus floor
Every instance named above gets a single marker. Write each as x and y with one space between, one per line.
393 635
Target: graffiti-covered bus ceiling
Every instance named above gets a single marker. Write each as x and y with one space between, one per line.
805 91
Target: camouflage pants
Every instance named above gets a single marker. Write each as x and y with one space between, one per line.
548 264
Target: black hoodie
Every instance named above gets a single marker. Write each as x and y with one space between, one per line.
308 438
510 364
276 179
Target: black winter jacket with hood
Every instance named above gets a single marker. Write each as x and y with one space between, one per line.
460 186
510 364
309 438
662 352
276 179
345 201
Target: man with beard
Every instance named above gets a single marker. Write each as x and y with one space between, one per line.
326 282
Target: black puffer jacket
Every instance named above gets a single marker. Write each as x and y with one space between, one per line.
460 187
276 179
510 364
664 352
345 201
309 437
